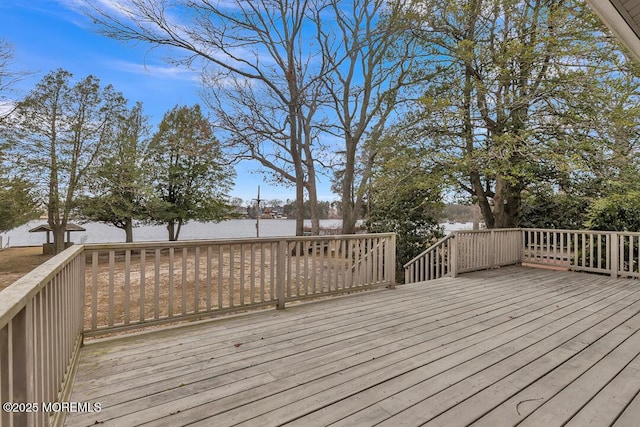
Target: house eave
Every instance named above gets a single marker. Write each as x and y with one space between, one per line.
618 19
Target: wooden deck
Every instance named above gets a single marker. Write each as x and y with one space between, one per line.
493 348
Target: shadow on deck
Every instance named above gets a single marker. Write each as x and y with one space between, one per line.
499 347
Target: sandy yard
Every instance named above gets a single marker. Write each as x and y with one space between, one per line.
16 262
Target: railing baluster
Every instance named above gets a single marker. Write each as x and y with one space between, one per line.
231 276
183 281
111 287
156 286
262 272
127 287
316 248
621 253
220 270
306 267
272 277
629 263
281 260
252 279
171 284
599 245
242 268
209 276
143 270
94 290
289 261
196 279
325 250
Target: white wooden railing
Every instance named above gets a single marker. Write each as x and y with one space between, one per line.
464 251
92 289
41 324
603 252
129 285
433 263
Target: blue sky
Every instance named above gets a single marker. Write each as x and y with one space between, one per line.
51 34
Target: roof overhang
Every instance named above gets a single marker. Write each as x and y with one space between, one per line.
623 19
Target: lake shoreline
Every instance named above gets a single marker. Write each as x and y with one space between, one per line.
230 229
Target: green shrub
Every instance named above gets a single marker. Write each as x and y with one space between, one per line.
617 212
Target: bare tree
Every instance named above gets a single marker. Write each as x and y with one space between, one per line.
8 78
259 81
372 61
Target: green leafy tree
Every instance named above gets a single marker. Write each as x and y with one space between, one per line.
117 184
187 170
18 203
60 129
405 198
512 98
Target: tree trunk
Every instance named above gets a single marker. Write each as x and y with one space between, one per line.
178 229
58 238
315 212
507 204
53 207
171 225
348 209
299 208
128 230
313 196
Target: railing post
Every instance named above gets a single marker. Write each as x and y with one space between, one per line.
21 363
81 275
391 259
613 248
281 262
454 257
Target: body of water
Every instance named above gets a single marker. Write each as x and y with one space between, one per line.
235 228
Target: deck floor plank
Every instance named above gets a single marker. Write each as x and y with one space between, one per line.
611 401
445 372
631 414
367 332
509 330
448 352
307 332
307 388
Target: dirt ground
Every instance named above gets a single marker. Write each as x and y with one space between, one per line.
16 262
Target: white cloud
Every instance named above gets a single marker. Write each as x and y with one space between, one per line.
161 71
115 7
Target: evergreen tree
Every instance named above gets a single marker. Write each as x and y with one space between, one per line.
119 191
187 171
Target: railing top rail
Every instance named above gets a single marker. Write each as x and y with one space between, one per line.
550 230
561 230
430 248
485 230
15 297
211 242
